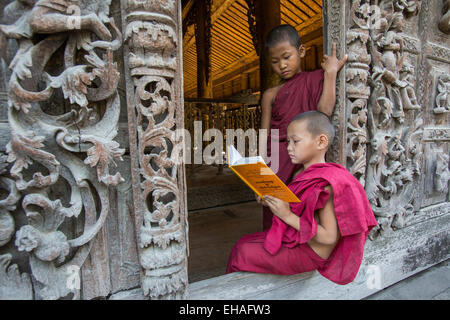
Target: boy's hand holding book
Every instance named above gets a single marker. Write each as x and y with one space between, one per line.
279 207
260 200
283 211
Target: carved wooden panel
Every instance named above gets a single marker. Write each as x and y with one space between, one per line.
70 227
153 73
396 87
59 174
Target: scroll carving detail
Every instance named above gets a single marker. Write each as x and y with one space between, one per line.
63 115
155 113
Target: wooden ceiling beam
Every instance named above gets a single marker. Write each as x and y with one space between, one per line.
245 38
191 61
237 22
307 6
288 9
310 25
288 20
242 7
187 8
227 34
224 7
295 14
222 43
229 31
241 47
236 73
215 16
215 64
237 50
300 6
222 55
247 59
240 11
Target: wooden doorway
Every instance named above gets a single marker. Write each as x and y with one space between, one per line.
221 208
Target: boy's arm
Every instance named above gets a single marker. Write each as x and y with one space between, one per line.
331 66
327 226
266 114
266 107
328 97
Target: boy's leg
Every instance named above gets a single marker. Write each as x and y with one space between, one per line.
249 255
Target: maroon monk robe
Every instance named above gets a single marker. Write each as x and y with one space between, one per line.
299 94
353 214
284 250
248 254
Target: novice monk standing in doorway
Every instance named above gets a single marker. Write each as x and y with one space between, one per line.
327 230
298 92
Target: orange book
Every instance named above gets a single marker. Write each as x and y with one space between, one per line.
258 176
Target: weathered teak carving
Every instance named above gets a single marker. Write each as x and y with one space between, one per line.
444 23
385 122
63 114
443 96
357 92
155 111
391 114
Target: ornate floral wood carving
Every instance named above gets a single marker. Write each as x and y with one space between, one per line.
63 114
152 55
357 90
384 129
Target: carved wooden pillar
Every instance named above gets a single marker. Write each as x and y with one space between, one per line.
203 44
357 94
334 17
263 16
152 51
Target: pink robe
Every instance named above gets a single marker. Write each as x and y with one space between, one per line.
299 94
284 250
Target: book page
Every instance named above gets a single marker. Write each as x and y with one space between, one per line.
235 158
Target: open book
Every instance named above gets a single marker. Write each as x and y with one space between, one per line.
258 176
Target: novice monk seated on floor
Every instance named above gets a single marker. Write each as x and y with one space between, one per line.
327 230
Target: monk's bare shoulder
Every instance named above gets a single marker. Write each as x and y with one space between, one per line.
329 189
270 94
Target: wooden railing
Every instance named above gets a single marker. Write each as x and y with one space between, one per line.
220 115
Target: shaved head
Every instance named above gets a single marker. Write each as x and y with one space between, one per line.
283 33
317 123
